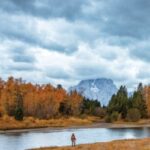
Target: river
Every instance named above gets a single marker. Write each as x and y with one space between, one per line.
61 137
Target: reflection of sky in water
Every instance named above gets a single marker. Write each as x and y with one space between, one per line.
20 141
129 135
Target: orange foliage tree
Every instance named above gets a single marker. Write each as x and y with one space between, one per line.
41 101
147 98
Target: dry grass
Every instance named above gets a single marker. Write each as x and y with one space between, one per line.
7 122
140 122
143 144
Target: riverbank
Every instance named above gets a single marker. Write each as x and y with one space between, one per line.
138 144
30 123
9 124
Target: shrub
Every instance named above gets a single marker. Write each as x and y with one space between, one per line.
6 118
100 112
108 119
83 116
133 114
114 116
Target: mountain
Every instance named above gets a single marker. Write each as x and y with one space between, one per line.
101 89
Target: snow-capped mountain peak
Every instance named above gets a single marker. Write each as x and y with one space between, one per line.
101 89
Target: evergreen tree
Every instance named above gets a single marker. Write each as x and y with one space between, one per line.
90 106
19 106
139 102
113 106
59 86
133 114
119 102
19 114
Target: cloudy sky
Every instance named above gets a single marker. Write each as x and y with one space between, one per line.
65 41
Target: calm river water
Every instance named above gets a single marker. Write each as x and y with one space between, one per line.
61 137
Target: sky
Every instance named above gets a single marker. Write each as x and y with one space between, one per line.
65 41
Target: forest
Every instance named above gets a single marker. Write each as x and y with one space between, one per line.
21 99
130 108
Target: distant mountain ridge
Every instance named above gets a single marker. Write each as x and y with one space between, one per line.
101 89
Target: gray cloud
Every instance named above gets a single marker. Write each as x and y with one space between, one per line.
58 74
17 58
22 55
126 18
20 67
119 18
46 8
76 39
86 71
141 52
16 30
144 74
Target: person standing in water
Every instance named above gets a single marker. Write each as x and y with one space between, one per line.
73 139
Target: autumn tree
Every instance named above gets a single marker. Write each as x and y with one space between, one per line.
2 83
147 98
8 97
75 100
19 99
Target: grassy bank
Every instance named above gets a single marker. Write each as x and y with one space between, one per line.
8 123
141 144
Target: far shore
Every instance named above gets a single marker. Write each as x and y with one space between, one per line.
13 126
100 125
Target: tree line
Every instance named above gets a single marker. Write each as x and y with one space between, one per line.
131 108
21 99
